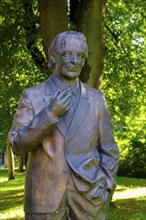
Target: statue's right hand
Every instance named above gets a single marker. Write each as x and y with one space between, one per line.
60 103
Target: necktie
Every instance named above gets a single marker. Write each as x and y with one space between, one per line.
69 116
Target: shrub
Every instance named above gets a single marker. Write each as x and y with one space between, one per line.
134 163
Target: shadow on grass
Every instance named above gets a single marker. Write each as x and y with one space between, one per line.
128 209
11 199
11 192
131 182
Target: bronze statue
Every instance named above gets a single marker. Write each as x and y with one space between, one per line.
65 127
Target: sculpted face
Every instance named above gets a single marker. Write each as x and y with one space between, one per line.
70 59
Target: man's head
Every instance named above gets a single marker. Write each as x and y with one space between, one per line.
68 52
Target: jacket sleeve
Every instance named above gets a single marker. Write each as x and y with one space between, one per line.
29 130
108 149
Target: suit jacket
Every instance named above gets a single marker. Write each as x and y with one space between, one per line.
87 150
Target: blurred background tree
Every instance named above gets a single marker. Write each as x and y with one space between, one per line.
115 35
124 81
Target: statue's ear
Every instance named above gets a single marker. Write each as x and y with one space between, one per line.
51 63
52 59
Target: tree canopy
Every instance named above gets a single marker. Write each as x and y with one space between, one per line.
124 75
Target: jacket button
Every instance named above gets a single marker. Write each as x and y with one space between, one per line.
67 150
65 170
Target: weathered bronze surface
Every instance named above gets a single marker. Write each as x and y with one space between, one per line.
66 128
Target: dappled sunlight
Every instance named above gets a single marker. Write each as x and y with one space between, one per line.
129 193
17 214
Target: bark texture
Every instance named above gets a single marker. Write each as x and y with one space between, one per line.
88 17
21 163
53 19
10 157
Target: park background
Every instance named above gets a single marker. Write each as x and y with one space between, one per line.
115 31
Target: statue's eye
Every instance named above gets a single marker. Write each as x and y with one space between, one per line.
81 55
66 53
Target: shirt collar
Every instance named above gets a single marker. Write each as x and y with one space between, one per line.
61 85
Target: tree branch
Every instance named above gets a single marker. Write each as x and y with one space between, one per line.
116 38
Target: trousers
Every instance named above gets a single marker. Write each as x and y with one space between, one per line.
73 206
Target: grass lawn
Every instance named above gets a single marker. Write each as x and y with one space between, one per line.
129 200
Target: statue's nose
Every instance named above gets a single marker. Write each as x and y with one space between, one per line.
74 59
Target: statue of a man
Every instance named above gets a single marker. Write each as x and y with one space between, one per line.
65 127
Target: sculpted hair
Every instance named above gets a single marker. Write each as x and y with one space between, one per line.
58 41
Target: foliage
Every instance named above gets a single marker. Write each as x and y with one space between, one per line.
124 81
11 201
134 163
17 70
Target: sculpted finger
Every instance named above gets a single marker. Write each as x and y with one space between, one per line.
68 104
68 107
55 94
66 99
65 92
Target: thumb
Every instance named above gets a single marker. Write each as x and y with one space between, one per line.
55 94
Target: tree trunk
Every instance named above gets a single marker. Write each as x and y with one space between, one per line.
53 19
5 160
10 157
21 162
89 19
25 160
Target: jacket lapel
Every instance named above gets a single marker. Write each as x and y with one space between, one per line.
80 113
